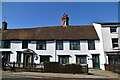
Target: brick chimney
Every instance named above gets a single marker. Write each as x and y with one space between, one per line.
65 20
4 26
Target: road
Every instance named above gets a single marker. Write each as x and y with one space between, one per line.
14 77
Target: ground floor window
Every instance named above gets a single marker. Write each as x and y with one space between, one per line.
44 58
114 59
81 59
63 59
19 57
6 56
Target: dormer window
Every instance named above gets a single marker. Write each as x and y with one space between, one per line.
113 29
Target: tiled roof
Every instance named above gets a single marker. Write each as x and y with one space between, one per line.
51 33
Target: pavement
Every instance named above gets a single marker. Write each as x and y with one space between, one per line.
98 74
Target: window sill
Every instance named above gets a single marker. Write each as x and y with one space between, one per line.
116 48
40 49
75 49
114 32
4 48
24 48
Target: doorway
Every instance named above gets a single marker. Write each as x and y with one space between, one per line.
95 60
28 59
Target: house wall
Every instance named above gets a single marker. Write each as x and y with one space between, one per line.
106 40
50 50
103 59
119 36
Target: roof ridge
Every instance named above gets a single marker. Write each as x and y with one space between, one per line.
52 27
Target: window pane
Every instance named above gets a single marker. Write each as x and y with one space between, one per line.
44 58
18 57
59 45
74 45
63 59
115 42
113 29
5 44
91 45
114 59
41 45
81 59
7 56
24 44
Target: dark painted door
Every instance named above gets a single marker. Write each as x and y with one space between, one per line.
95 60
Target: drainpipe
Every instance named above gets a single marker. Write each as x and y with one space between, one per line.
55 50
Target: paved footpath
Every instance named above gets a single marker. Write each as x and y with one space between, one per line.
95 74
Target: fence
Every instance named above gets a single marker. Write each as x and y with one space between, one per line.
113 67
28 65
54 67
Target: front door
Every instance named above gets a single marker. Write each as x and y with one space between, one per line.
95 60
28 60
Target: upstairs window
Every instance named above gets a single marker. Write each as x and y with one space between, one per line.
41 45
4 44
25 44
113 29
115 42
91 44
59 45
74 45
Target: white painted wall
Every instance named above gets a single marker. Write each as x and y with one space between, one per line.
106 40
50 50
101 43
119 36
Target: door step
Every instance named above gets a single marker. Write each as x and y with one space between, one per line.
92 69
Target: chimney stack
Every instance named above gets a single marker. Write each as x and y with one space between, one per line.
65 20
4 25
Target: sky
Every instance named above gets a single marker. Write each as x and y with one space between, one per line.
42 14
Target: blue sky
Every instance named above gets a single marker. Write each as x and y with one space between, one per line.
40 14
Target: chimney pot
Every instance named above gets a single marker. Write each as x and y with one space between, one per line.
4 25
65 20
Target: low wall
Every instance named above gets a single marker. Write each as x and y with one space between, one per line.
113 67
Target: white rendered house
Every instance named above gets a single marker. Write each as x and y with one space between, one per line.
63 44
109 35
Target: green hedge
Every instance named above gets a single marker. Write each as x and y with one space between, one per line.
55 67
